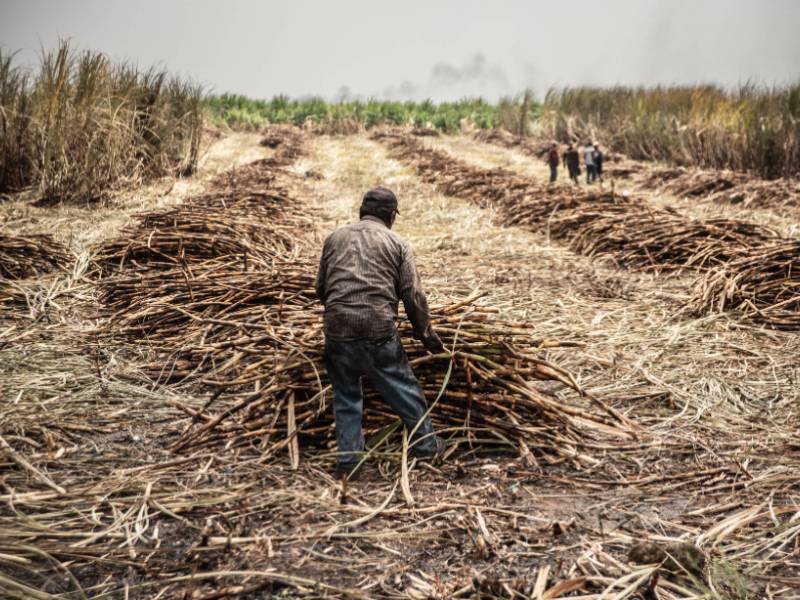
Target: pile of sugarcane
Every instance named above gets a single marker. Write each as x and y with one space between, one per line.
288 142
247 217
631 230
764 284
27 255
242 224
729 187
634 233
254 342
757 193
694 183
663 239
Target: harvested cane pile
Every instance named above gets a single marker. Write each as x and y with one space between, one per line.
664 239
729 187
764 284
287 141
242 224
27 255
757 193
254 342
248 216
630 230
696 184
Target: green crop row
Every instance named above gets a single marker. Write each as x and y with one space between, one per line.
241 111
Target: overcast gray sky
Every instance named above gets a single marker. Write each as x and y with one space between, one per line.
442 49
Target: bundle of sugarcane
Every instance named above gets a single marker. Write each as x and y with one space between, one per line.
778 194
27 255
255 343
261 175
260 225
249 214
155 305
696 183
288 142
535 210
663 239
764 284
635 233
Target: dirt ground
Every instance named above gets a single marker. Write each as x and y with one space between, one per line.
718 398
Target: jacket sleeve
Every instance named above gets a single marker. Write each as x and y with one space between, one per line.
321 275
414 300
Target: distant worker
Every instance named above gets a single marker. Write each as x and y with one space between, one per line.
572 162
553 162
588 159
598 162
365 270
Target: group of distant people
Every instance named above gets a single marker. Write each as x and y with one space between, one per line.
592 159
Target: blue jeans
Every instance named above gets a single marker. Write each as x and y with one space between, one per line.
553 173
385 364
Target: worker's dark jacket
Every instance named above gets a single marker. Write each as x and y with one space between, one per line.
572 160
364 271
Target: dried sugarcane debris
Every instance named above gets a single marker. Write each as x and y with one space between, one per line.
287 141
26 255
763 284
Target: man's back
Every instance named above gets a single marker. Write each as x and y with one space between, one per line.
572 157
363 272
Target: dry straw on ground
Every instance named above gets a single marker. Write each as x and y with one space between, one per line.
213 494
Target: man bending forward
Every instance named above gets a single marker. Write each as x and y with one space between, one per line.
364 271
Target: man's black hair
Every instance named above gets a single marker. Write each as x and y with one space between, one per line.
379 202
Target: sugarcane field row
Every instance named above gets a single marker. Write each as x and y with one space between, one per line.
635 233
618 396
713 185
